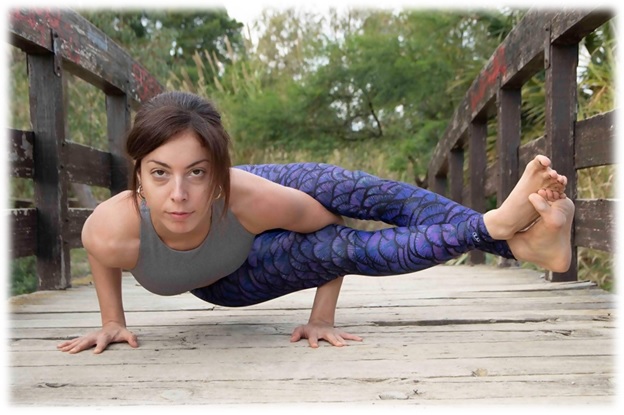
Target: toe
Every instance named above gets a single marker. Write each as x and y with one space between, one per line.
542 160
539 203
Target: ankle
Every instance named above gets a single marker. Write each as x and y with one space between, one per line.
496 227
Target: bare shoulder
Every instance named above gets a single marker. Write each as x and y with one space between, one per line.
111 233
249 197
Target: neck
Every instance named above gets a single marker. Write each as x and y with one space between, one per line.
187 240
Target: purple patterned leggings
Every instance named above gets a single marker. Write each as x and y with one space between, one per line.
429 229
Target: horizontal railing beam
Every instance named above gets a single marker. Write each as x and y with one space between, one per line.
84 50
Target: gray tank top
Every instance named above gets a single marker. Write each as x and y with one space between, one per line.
167 271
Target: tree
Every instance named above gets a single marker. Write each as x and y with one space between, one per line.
167 40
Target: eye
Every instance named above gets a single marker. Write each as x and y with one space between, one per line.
197 172
158 173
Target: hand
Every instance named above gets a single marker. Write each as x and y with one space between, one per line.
314 331
109 333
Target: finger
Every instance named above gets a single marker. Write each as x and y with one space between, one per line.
296 335
349 336
67 347
67 344
82 345
100 346
133 341
335 340
313 341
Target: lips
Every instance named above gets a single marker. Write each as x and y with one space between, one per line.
180 215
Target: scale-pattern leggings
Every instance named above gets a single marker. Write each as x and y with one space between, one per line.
429 229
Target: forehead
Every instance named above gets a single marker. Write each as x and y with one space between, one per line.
183 145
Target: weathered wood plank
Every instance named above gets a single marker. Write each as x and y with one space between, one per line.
285 363
23 224
87 165
401 315
453 333
556 389
21 153
571 26
50 177
594 224
508 141
117 124
77 218
84 49
561 102
456 170
595 141
477 137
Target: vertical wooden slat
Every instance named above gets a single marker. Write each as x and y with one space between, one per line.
456 171
48 120
438 184
477 136
508 144
561 102
118 123
508 141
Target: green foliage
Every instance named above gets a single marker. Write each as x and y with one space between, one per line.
23 275
161 40
320 84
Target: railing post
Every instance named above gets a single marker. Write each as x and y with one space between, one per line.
477 136
118 123
561 112
456 171
508 144
50 178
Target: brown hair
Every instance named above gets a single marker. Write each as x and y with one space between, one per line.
171 113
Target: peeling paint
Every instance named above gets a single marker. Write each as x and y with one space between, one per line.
488 78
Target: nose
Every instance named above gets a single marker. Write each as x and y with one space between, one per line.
179 193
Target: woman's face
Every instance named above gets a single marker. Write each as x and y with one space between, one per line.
175 183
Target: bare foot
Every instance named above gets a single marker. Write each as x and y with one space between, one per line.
547 243
516 213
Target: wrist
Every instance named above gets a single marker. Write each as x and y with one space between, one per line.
114 323
324 321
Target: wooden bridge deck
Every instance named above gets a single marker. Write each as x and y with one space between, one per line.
448 335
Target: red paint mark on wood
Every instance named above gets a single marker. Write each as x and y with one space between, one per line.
41 22
146 86
488 78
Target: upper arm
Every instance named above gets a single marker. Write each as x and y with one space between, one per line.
270 206
109 232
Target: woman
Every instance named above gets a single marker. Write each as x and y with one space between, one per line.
240 236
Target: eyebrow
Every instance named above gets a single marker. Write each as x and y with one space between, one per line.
168 166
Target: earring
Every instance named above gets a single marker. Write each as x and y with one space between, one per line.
140 192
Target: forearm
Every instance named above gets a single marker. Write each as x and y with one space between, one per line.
325 301
108 288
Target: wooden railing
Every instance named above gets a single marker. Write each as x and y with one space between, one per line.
542 40
58 42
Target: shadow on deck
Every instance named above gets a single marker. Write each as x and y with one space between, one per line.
448 335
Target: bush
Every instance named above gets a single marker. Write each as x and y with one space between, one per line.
23 275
